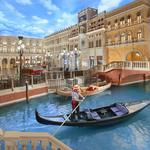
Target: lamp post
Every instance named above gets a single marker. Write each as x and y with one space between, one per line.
20 47
65 57
76 54
48 59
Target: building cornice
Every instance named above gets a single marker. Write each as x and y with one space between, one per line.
99 30
124 12
125 8
73 38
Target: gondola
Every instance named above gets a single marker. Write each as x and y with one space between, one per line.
107 115
85 91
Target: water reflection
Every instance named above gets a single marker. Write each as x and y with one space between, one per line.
132 134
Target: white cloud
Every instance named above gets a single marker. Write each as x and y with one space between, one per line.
1 14
24 2
40 20
49 5
108 4
49 31
49 12
2 17
35 30
66 19
13 10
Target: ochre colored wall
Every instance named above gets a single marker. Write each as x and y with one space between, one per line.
120 53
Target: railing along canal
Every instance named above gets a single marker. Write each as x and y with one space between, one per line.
129 65
52 78
12 140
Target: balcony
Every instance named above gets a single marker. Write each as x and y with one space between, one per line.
127 24
125 42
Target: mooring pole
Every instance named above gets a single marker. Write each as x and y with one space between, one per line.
12 84
27 92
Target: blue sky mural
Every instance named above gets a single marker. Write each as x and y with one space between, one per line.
39 18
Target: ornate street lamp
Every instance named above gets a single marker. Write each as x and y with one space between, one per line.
48 56
76 54
20 47
65 57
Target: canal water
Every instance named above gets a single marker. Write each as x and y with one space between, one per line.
132 134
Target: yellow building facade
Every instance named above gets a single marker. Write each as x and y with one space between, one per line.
122 34
128 32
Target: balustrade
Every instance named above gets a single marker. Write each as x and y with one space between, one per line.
130 65
11 140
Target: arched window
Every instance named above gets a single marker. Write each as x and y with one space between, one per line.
116 24
139 17
123 38
139 35
4 63
91 44
109 26
98 43
4 49
116 38
12 49
109 41
12 62
129 21
122 21
129 37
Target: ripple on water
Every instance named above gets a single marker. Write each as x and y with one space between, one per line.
133 134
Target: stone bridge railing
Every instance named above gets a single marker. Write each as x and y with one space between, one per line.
129 65
12 140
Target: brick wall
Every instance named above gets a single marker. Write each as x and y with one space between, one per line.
21 95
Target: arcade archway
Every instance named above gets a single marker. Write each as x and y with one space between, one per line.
4 63
135 56
12 63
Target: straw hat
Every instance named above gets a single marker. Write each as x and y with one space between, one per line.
76 88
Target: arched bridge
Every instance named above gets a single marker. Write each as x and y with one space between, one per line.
123 72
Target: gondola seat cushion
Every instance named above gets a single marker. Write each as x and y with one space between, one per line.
122 108
92 115
95 115
119 113
114 109
119 110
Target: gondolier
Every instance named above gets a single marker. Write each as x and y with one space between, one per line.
76 98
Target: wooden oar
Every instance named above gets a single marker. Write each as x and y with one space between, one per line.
68 117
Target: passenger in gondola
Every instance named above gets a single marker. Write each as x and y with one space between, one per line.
76 98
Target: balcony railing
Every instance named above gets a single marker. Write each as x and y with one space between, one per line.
129 65
12 140
126 25
125 42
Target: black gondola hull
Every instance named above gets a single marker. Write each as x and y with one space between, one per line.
109 120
